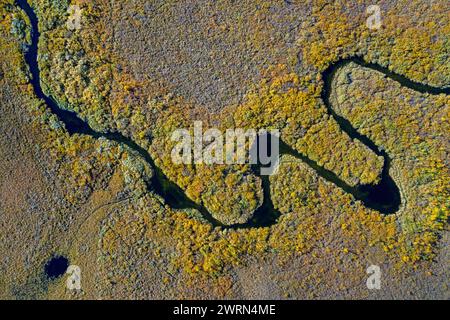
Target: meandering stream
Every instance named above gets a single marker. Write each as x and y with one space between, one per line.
383 197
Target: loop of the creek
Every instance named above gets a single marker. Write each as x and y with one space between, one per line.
383 197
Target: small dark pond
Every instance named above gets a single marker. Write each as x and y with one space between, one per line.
56 267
